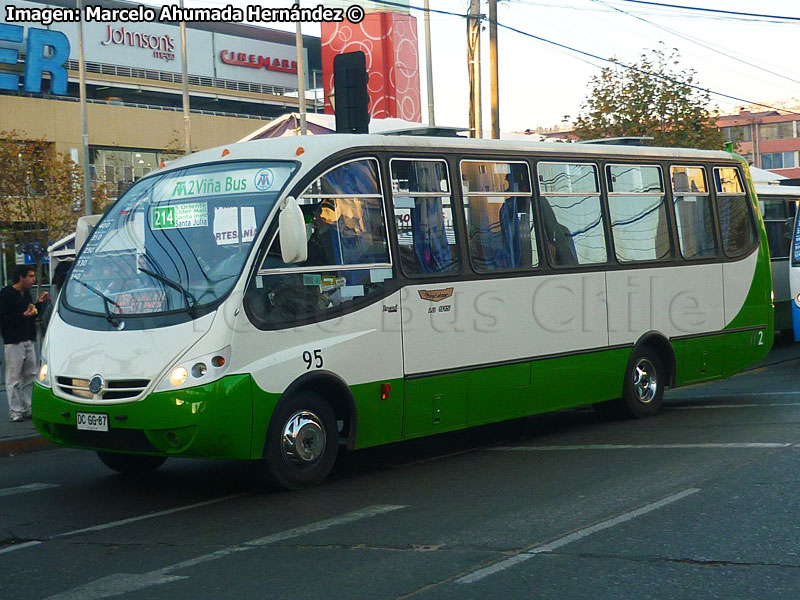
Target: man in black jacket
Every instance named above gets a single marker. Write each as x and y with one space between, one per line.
18 324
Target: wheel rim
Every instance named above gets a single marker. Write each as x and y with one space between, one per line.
645 381
303 439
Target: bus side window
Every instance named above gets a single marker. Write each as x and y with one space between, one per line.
348 252
571 213
499 224
778 213
735 218
694 212
637 204
423 213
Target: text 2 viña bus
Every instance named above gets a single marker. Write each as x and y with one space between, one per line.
275 299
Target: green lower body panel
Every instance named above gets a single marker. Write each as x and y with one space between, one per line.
210 421
456 400
745 348
230 418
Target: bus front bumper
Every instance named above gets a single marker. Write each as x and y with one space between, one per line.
210 421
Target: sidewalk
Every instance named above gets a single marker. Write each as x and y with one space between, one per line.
16 438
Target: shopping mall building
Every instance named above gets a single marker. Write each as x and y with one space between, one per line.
240 76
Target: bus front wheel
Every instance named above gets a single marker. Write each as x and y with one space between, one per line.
130 463
302 441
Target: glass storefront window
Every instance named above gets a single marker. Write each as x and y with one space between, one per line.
118 168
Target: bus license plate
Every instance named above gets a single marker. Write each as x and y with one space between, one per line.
92 421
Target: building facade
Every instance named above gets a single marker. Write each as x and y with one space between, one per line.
239 77
770 140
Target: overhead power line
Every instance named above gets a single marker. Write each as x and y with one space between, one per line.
714 10
695 41
600 58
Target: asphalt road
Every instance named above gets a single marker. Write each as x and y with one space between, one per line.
700 501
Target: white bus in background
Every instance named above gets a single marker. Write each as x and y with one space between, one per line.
778 204
67 247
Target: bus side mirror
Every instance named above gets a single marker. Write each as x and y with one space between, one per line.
292 228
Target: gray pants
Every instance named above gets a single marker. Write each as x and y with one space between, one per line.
20 372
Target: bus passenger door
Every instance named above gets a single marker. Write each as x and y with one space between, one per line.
433 324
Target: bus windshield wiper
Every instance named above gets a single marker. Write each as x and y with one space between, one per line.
106 301
187 295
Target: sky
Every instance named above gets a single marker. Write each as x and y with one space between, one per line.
543 83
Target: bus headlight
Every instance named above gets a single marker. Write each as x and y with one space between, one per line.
44 375
178 376
197 371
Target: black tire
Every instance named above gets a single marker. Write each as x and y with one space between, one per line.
643 387
131 463
302 442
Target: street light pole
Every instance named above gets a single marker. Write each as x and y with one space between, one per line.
187 127
87 179
429 64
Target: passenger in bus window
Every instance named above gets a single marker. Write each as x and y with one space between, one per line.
323 245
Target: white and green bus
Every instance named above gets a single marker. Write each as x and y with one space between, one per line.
277 299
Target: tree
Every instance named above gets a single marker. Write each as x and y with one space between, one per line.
41 194
655 98
174 148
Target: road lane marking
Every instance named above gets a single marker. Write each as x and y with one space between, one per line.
122 583
111 524
716 406
151 515
684 393
745 445
573 537
20 546
31 487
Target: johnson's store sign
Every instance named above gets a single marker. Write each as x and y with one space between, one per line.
162 46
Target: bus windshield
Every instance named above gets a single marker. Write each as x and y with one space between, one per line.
176 241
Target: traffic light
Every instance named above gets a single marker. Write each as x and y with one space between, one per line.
350 92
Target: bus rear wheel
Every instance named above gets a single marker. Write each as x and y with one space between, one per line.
130 463
643 388
302 442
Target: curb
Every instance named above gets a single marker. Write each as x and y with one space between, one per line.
21 446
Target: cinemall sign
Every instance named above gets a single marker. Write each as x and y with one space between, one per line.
254 61
46 51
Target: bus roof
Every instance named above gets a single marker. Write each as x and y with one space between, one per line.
784 191
318 147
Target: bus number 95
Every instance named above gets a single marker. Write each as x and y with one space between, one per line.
314 360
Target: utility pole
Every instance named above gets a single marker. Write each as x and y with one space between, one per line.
495 90
301 78
429 64
87 179
474 66
187 127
